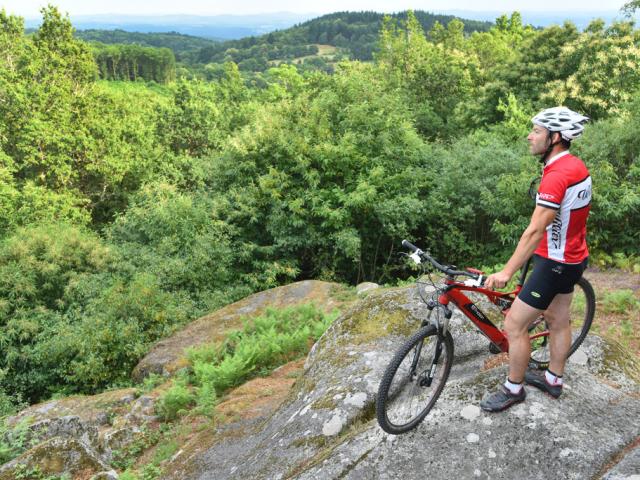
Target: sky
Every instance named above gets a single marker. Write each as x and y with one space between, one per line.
30 8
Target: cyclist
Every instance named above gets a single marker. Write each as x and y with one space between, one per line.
556 237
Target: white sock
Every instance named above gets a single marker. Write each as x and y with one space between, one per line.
552 378
513 387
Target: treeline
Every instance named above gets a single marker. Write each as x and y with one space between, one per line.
256 58
133 62
128 209
354 33
184 47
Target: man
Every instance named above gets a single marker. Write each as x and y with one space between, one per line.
556 236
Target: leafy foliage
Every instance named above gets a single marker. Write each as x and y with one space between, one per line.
355 32
264 343
133 62
174 402
129 208
13 440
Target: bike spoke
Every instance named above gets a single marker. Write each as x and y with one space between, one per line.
407 398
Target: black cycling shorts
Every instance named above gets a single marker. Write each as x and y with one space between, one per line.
548 279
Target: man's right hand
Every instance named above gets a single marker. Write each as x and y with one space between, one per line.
497 280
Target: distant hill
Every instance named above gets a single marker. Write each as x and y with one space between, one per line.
351 34
220 27
313 44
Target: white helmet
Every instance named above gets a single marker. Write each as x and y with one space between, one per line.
570 124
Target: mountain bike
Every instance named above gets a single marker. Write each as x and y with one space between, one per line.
418 371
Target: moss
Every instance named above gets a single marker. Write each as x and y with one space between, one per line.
53 457
380 314
317 441
304 385
343 293
618 358
327 402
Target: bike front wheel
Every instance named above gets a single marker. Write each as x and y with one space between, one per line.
582 311
414 380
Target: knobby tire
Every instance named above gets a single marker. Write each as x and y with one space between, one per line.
399 395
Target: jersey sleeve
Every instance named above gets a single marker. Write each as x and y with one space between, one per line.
553 187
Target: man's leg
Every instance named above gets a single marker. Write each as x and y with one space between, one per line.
518 320
559 322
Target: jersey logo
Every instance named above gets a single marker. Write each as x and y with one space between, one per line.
547 196
584 194
535 294
556 232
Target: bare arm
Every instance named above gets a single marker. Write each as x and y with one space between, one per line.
541 218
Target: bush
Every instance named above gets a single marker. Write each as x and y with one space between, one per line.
264 343
611 150
620 301
38 265
174 401
177 238
13 440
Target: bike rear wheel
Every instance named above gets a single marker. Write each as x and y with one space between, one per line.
412 382
583 307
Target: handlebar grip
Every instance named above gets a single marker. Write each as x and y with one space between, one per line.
410 246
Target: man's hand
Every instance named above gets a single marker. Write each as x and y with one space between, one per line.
497 280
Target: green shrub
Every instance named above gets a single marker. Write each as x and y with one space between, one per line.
174 401
620 301
150 472
13 440
619 260
611 150
165 450
151 381
265 342
38 265
177 238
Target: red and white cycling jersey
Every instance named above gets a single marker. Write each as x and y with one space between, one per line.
565 187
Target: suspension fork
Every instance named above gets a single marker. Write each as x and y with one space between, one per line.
425 381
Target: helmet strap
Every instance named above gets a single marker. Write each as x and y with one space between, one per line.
545 155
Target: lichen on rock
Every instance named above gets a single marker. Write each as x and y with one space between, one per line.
56 456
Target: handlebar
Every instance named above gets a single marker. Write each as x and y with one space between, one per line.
444 269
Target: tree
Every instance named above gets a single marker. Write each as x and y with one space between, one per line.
629 8
601 70
436 78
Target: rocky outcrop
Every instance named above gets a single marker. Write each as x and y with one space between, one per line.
78 435
323 426
628 466
83 435
364 287
56 456
326 428
166 357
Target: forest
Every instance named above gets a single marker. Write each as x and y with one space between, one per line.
353 35
129 208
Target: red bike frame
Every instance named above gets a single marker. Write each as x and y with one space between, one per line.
453 293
